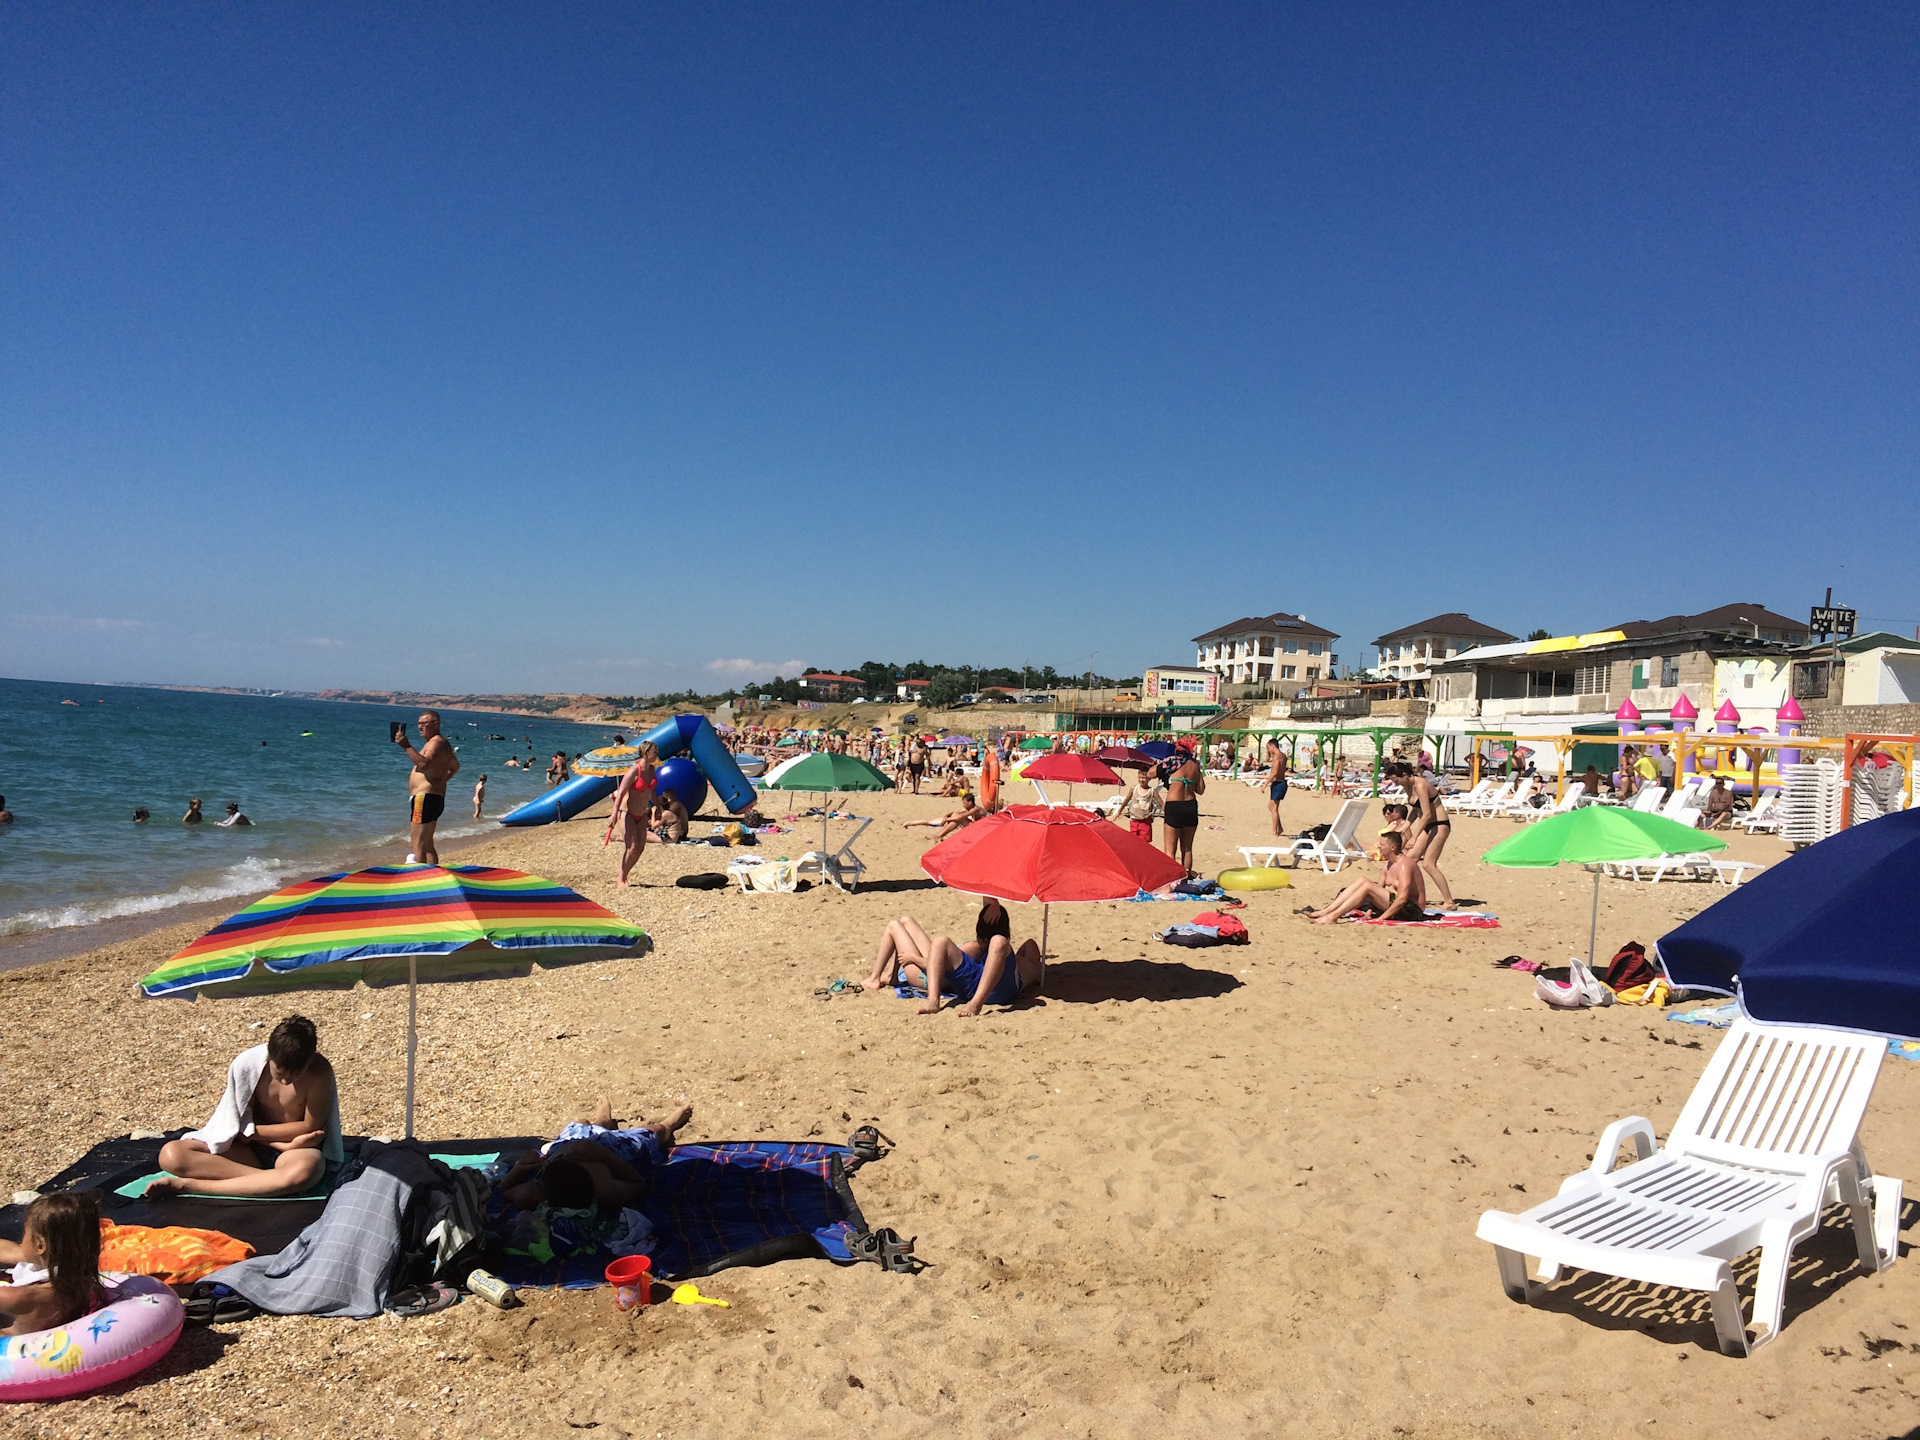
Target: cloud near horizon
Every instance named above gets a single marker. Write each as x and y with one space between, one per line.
755 669
80 622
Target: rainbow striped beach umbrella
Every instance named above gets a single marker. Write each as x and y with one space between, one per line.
607 760
396 924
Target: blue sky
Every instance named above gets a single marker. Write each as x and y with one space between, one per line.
621 348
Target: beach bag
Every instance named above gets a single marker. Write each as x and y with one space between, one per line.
1630 967
712 880
1318 832
1231 928
1581 991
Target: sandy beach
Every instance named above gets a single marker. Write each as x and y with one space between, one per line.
1233 1188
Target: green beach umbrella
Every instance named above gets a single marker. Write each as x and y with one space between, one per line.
1594 835
1037 742
828 773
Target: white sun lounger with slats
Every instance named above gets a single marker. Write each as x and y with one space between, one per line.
1508 804
1339 845
1769 1137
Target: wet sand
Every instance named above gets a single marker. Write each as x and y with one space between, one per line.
1233 1188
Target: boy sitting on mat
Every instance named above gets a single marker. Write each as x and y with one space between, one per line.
1400 894
276 1130
597 1163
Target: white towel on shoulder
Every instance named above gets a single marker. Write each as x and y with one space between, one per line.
233 1116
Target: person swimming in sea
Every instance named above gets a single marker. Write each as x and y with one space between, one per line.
193 815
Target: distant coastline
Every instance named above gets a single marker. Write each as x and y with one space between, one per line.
578 709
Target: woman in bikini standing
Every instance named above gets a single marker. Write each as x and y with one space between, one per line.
633 802
1181 811
1428 827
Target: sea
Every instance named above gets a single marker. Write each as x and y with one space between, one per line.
321 780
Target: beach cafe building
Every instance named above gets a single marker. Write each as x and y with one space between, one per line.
1575 684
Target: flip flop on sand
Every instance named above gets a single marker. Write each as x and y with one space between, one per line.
428 1299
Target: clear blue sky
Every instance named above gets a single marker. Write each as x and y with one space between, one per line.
626 347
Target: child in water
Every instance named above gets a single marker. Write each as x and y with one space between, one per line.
61 1238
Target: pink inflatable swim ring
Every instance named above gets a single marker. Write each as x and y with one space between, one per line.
135 1328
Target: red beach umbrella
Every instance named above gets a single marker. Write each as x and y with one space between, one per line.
1071 770
1125 755
1031 852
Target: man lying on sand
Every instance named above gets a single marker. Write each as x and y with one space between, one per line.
276 1130
596 1163
987 969
1397 895
950 823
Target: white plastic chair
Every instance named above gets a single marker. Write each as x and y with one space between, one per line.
1770 1135
1339 845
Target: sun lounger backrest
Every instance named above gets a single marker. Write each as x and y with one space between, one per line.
1345 824
1773 1092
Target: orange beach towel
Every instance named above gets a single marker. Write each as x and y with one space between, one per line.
173 1254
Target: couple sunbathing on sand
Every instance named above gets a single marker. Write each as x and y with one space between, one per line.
1399 894
986 970
276 1131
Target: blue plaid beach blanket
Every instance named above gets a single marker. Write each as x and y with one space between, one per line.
712 1201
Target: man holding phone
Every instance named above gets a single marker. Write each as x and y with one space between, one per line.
434 763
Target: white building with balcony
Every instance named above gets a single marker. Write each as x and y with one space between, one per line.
1277 649
1407 655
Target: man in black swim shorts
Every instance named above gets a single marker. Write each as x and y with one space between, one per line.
1397 895
434 764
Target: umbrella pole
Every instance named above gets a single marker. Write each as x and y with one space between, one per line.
413 979
1593 926
1045 910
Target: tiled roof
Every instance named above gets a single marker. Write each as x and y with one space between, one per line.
1739 617
1451 623
1278 623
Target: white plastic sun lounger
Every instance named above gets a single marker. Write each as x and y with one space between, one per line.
1761 817
1511 803
1770 1135
1480 803
1339 846
1468 799
1569 801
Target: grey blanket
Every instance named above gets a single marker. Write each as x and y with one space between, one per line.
341 1263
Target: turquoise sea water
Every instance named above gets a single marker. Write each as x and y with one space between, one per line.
73 775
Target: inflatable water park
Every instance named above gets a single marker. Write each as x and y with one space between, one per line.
693 758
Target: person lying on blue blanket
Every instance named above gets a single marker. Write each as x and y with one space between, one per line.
599 1163
987 970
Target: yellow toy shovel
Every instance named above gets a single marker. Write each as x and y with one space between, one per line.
690 1295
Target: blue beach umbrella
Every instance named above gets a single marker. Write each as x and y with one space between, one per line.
1827 937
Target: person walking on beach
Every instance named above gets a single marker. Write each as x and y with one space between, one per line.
434 763
479 796
916 763
1181 809
633 805
1276 781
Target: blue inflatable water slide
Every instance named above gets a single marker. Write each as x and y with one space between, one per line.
691 735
